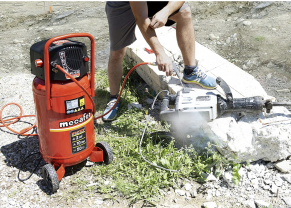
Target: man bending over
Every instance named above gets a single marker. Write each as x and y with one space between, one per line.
122 19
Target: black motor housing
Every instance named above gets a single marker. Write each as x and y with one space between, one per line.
70 55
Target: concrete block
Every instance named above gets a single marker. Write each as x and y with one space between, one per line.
241 83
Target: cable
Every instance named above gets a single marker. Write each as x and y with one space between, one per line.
33 169
141 139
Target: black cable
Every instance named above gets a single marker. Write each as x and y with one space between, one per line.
32 171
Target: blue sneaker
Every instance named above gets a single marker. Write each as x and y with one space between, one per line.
112 114
200 78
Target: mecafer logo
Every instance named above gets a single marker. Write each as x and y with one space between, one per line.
85 117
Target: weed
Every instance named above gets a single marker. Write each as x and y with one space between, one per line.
129 174
259 38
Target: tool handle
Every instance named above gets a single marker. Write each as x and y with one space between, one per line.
225 88
47 64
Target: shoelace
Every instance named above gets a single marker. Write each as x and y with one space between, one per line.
111 102
200 73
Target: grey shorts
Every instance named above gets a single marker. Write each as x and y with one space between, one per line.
122 23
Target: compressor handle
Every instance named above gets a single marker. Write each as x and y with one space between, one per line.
47 63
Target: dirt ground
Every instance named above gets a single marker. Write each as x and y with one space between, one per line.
253 35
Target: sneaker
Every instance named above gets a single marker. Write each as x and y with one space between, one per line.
112 114
200 78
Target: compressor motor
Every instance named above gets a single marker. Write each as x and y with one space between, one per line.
69 54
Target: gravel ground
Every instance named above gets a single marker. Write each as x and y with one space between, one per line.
216 23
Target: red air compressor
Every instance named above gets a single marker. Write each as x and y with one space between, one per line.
63 89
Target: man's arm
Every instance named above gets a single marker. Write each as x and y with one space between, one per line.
140 12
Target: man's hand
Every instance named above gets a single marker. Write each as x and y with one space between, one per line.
159 19
164 63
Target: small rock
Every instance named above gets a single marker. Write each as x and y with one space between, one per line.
249 204
134 105
91 184
187 186
244 67
193 194
106 183
269 182
213 37
283 90
287 200
274 29
210 177
228 40
188 194
98 201
65 14
266 187
15 41
175 200
274 189
16 57
287 178
251 175
209 205
90 202
247 23
269 76
89 163
48 29
283 166
264 4
12 202
255 182
278 182
262 204
227 176
270 165
180 192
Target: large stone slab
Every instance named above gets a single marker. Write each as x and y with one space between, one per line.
254 136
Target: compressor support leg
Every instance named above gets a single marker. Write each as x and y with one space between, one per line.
60 171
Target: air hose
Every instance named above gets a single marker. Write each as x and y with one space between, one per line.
23 131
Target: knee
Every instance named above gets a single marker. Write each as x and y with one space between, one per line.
117 55
183 15
186 13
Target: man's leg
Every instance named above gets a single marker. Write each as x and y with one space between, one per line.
114 77
115 70
185 35
186 42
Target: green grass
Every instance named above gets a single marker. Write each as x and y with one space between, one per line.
259 38
129 174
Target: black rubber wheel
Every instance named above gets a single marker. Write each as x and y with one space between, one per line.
107 152
51 178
